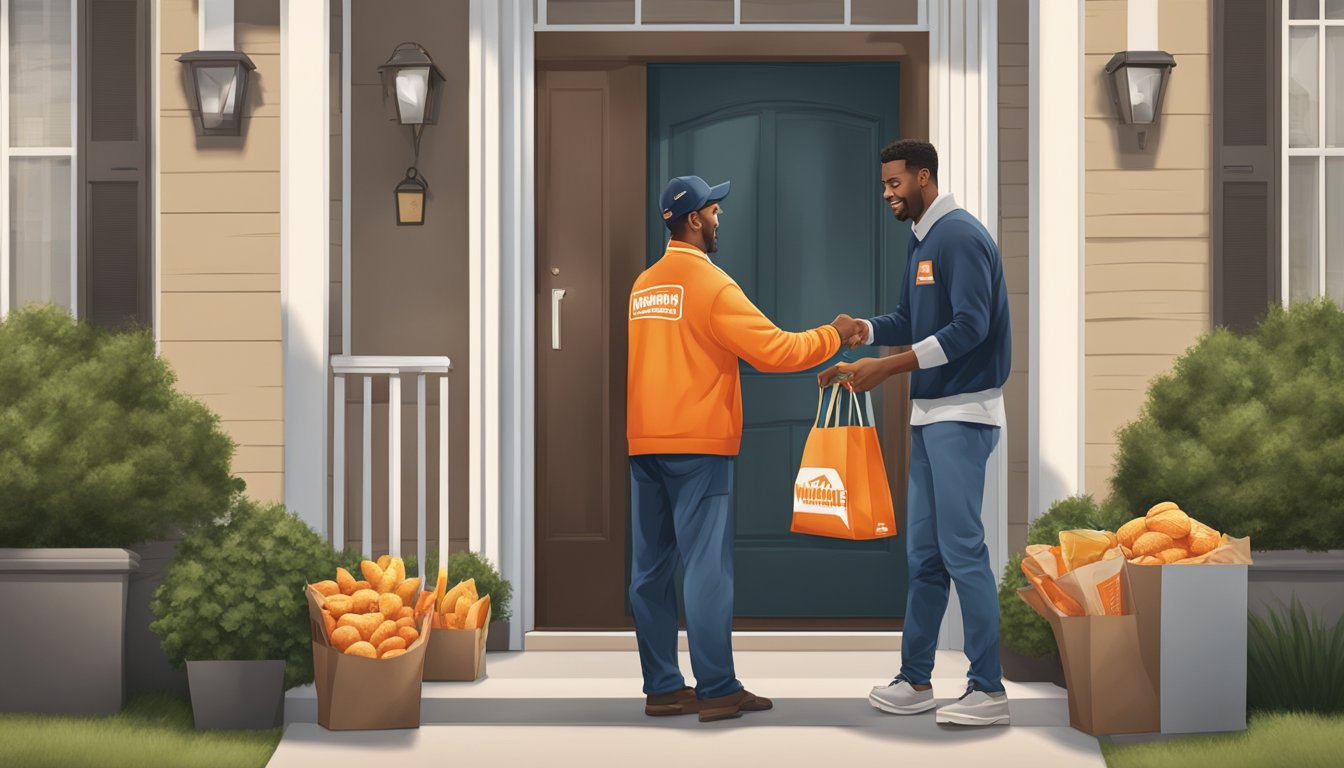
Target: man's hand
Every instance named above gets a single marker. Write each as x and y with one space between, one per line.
864 374
853 333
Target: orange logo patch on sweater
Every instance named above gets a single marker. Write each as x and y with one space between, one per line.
659 302
924 273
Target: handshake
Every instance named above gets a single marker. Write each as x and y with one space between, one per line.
853 333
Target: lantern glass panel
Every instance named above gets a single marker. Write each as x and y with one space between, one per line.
412 94
1144 86
218 90
410 207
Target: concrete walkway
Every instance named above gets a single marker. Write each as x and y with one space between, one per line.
550 708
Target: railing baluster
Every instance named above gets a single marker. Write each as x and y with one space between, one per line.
367 546
420 474
338 466
394 465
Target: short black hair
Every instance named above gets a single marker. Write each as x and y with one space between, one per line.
916 154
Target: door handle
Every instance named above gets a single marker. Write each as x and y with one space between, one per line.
125 168
557 294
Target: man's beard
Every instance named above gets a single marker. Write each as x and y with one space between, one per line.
713 245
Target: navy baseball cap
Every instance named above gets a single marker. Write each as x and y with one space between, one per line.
688 193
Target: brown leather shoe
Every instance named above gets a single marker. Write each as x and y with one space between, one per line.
682 702
733 705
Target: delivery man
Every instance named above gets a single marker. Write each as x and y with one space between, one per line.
954 313
689 324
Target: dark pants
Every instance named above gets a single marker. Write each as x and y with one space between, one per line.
680 512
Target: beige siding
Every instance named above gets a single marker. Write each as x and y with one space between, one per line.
220 246
1013 245
1147 228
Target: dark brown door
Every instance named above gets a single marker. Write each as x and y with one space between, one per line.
115 202
590 248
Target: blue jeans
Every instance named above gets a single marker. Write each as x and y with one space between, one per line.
945 540
679 510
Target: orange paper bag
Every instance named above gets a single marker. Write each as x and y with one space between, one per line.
841 490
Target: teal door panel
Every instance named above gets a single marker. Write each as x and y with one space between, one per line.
807 236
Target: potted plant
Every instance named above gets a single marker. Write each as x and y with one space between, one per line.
1027 647
232 607
98 452
1246 433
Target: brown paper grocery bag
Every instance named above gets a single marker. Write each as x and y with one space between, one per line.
356 693
1110 691
457 655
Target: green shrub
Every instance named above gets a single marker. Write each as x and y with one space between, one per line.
1020 628
1295 662
461 566
234 591
1247 432
97 449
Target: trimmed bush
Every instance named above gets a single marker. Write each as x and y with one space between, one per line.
1247 433
234 591
97 449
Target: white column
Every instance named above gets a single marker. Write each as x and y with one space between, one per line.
501 274
963 126
1055 445
304 240
215 19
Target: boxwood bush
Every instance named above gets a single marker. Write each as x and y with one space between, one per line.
97 448
235 590
1247 432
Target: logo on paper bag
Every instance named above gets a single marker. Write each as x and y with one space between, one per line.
820 491
660 302
924 273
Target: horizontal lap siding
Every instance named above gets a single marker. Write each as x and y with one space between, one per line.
220 246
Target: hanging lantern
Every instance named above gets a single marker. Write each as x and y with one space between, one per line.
1138 80
410 198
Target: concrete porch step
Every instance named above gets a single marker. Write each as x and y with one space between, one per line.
742 641
604 688
567 708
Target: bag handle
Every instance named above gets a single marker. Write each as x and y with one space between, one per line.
856 410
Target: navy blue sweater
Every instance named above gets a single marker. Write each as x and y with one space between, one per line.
954 290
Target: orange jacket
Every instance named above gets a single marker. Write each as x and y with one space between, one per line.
689 324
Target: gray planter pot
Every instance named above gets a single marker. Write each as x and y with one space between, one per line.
237 695
499 636
1316 578
69 657
147 667
1021 668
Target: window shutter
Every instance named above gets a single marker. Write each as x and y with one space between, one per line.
1245 126
114 168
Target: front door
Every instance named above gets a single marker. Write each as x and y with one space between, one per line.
807 236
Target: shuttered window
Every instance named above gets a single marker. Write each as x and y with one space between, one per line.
74 158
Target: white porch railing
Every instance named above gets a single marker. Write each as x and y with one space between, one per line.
366 368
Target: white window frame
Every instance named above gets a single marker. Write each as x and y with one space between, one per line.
1320 152
7 152
543 25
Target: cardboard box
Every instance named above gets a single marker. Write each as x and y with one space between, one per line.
356 693
1192 634
457 655
1110 690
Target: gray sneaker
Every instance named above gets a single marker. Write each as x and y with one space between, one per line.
976 708
899 697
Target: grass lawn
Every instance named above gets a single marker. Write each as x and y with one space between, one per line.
153 730
1301 741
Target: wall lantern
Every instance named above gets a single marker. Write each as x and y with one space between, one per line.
410 195
1138 80
411 85
218 89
